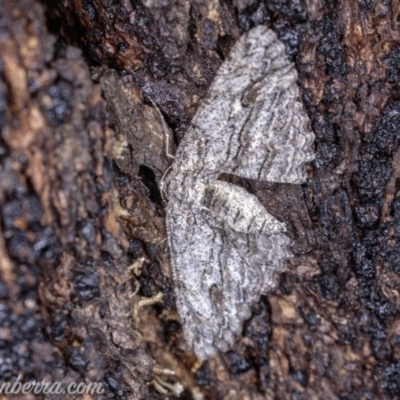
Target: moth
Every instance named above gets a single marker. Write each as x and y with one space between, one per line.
226 249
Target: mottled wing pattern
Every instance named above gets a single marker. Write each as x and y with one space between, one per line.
252 116
226 249
218 274
237 210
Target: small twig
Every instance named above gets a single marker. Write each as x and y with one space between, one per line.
163 371
142 303
165 388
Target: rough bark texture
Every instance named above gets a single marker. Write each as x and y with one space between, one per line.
65 306
332 330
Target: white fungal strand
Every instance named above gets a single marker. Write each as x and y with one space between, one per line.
226 249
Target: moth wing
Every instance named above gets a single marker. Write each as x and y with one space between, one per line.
251 122
218 275
275 142
257 236
226 253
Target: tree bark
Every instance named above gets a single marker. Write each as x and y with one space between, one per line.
331 331
65 306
